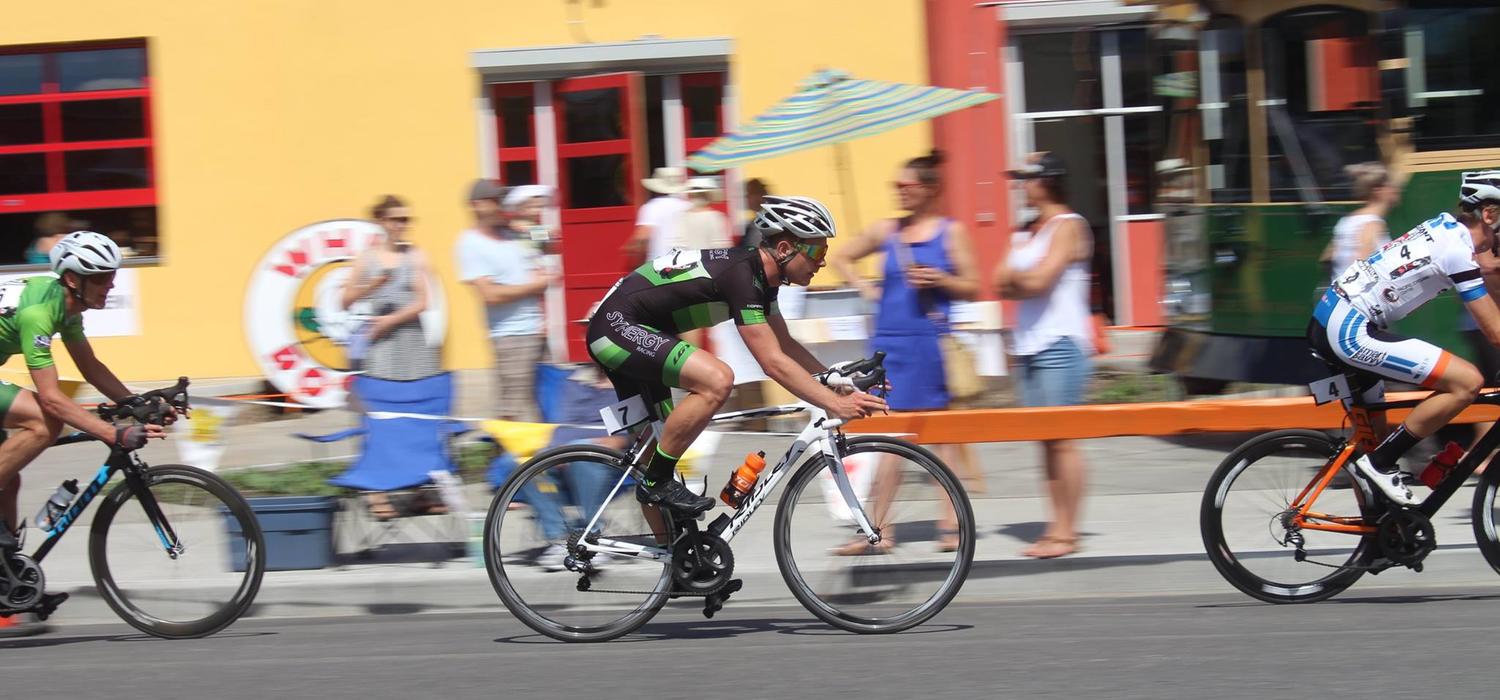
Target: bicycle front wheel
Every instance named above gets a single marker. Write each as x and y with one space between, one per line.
180 558
542 509
1246 526
926 525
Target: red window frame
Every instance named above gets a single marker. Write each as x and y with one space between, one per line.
514 154
51 98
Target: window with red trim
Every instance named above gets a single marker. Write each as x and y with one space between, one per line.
515 132
76 146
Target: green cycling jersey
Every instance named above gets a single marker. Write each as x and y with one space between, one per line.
32 311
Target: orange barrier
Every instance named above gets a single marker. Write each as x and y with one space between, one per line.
1114 420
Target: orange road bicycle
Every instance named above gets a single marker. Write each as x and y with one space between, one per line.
1285 520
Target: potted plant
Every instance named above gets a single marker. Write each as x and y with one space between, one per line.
295 506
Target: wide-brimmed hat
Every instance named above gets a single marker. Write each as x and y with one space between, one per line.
706 185
1045 165
668 180
521 193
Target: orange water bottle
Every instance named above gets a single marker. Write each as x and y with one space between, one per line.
743 480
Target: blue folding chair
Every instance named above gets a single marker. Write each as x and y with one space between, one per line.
405 437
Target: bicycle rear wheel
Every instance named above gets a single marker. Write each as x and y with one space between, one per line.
193 588
915 501
1247 536
546 504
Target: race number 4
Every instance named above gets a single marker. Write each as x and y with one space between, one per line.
1335 388
624 415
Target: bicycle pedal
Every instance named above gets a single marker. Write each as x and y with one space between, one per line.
48 605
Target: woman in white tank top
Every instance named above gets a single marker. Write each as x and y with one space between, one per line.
1360 232
1047 270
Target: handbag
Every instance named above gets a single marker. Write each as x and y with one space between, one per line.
959 368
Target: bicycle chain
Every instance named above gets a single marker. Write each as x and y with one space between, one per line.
585 584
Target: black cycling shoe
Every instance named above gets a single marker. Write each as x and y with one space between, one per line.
674 496
8 541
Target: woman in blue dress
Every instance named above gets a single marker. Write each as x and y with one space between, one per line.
929 264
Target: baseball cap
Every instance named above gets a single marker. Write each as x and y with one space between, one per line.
1047 165
485 188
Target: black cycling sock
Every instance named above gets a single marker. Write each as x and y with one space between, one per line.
660 468
1396 444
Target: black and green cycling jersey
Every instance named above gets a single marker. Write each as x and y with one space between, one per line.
32 312
633 332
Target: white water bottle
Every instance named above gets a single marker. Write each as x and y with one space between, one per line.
56 505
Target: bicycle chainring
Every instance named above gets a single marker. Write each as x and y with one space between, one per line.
702 564
21 582
1405 537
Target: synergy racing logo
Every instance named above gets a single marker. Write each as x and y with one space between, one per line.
294 321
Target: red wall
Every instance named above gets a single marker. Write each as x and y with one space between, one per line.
963 51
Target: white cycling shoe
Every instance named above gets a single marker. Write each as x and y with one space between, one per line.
1392 484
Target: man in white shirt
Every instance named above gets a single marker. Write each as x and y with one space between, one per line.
504 274
656 222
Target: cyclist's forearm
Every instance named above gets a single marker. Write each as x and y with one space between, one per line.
788 373
802 356
77 416
100 377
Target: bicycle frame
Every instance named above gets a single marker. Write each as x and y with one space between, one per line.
118 461
1364 434
820 432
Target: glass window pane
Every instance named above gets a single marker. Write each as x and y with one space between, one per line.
98 120
23 174
1322 94
518 172
114 169
20 124
131 228
1453 90
702 103
1061 70
593 115
1145 139
656 135
20 74
1225 104
104 69
515 121
1139 61
596 181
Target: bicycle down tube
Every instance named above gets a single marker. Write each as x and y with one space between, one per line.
101 479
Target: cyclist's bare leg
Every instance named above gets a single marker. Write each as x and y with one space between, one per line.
708 382
1454 391
30 432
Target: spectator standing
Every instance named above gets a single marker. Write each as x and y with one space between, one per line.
1047 270
756 190
503 272
1360 232
391 277
702 226
656 223
50 228
928 265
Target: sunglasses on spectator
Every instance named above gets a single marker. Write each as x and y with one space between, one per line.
905 184
814 252
399 219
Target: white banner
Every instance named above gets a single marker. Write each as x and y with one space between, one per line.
121 313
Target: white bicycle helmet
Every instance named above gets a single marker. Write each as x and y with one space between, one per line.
1478 187
803 217
86 253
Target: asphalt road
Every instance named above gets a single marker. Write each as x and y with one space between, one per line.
1426 642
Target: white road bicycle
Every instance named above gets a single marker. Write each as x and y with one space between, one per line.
574 556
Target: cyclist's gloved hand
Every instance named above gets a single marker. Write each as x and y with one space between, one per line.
131 437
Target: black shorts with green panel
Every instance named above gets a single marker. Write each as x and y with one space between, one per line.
633 333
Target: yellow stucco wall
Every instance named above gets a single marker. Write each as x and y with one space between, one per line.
272 114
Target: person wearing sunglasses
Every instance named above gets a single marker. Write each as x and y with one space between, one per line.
634 334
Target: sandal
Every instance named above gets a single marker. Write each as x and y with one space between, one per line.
860 546
1051 547
948 540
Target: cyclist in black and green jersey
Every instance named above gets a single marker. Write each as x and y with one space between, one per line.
32 311
633 334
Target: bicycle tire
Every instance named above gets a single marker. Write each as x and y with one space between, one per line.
230 504
494 558
1230 564
829 611
1486 529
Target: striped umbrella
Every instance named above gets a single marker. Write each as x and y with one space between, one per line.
832 107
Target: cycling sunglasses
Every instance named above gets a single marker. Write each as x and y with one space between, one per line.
814 252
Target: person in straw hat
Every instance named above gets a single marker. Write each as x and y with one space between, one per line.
656 223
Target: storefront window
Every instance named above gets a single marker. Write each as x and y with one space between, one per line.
1322 101
1061 70
77 160
1225 103
1452 85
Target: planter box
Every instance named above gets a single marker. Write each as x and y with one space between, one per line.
298 532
